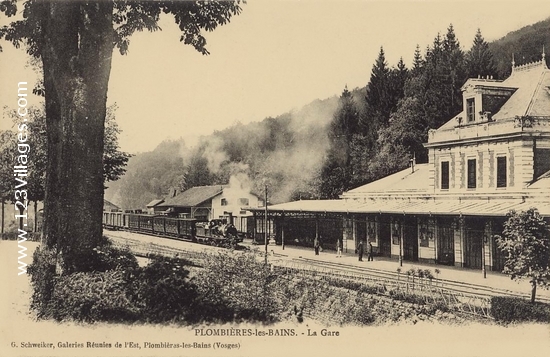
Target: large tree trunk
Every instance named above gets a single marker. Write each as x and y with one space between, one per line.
77 53
533 291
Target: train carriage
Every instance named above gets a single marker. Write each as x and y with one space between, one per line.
179 228
159 225
114 220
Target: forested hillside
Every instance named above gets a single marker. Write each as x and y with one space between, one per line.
285 152
526 45
335 144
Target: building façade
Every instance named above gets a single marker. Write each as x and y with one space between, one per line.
491 158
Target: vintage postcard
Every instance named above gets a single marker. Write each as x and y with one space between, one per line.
274 178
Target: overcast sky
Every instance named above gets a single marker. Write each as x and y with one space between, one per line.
277 55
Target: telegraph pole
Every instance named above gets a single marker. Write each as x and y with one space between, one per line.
483 268
401 243
265 224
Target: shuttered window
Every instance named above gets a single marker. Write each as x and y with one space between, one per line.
445 175
470 110
472 173
501 171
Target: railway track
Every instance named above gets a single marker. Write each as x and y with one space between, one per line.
359 273
475 297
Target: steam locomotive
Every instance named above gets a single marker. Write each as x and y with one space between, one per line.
216 232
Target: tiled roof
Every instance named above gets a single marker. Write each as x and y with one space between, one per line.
529 99
412 192
408 192
193 196
399 206
154 203
532 97
541 183
108 205
402 181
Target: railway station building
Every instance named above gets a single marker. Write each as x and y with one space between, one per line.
491 158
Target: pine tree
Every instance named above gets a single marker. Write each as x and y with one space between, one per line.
442 77
418 62
342 128
377 99
336 173
454 66
399 76
479 60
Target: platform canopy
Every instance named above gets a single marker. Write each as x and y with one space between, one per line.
409 207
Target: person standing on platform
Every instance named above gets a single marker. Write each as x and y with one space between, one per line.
316 245
369 253
360 250
339 248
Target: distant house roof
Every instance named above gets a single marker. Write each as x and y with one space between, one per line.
154 203
193 196
108 205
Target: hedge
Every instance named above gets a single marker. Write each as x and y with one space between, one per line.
510 309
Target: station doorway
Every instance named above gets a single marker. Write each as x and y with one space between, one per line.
410 239
473 241
445 242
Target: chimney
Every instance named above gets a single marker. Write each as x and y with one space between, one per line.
413 162
172 192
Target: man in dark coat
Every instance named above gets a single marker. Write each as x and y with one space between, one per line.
369 253
360 250
316 245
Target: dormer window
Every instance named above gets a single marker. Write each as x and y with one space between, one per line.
470 110
483 98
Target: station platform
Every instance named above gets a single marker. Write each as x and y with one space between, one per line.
492 279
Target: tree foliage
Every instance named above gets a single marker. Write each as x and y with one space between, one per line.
7 154
479 60
151 175
336 173
526 242
379 99
75 41
525 45
114 160
368 133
